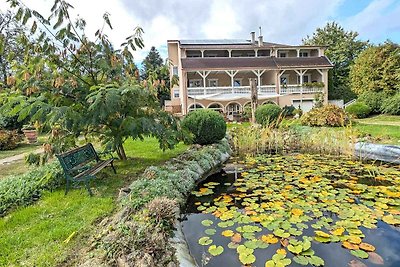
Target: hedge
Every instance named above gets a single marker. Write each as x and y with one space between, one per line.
23 189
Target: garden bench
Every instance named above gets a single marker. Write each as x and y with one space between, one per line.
82 164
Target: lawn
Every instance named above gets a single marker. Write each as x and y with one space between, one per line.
38 235
21 149
390 120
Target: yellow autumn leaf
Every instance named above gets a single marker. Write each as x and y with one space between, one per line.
349 245
297 212
339 231
354 239
281 251
270 239
227 233
322 234
367 247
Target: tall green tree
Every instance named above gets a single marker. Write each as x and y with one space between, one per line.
81 86
343 48
377 69
151 62
10 48
157 73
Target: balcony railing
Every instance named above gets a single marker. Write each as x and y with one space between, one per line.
298 89
195 91
264 89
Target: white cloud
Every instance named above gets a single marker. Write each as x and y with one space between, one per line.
284 21
221 21
376 20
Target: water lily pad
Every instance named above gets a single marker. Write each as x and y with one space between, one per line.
367 247
316 261
227 233
210 231
359 253
301 260
207 222
205 241
215 250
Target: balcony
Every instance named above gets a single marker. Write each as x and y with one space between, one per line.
298 89
245 90
197 91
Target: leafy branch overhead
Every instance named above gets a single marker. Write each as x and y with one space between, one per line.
82 86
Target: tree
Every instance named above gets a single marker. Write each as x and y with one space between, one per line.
377 69
151 62
77 86
10 49
343 48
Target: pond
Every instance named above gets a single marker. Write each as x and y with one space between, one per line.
297 210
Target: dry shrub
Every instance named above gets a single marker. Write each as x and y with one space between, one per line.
329 115
9 139
163 210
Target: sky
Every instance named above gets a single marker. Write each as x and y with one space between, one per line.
283 21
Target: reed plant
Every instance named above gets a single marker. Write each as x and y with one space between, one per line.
287 138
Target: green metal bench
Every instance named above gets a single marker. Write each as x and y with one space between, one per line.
82 164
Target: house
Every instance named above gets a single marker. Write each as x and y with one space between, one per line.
216 74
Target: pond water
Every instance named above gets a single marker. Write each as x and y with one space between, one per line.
297 210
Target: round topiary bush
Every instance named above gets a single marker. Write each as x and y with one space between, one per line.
359 110
329 115
267 114
207 126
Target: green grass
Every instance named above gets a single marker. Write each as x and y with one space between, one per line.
390 120
389 134
15 168
22 148
35 235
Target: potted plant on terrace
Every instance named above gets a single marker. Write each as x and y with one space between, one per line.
30 133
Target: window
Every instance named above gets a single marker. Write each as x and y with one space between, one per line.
306 78
213 83
303 54
175 70
195 83
176 93
237 82
233 109
282 54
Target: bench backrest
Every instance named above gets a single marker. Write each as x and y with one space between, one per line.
77 157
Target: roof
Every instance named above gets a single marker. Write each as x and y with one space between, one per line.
227 42
254 63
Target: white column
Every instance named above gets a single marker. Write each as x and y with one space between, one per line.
231 74
256 52
202 53
298 52
230 52
279 79
259 73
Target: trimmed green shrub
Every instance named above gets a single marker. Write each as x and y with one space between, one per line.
329 115
374 100
392 105
9 139
23 189
267 114
359 110
207 126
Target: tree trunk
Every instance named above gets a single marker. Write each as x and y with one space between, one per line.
121 152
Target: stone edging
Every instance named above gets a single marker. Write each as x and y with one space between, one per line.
178 241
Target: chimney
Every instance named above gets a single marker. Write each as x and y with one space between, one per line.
253 37
260 40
